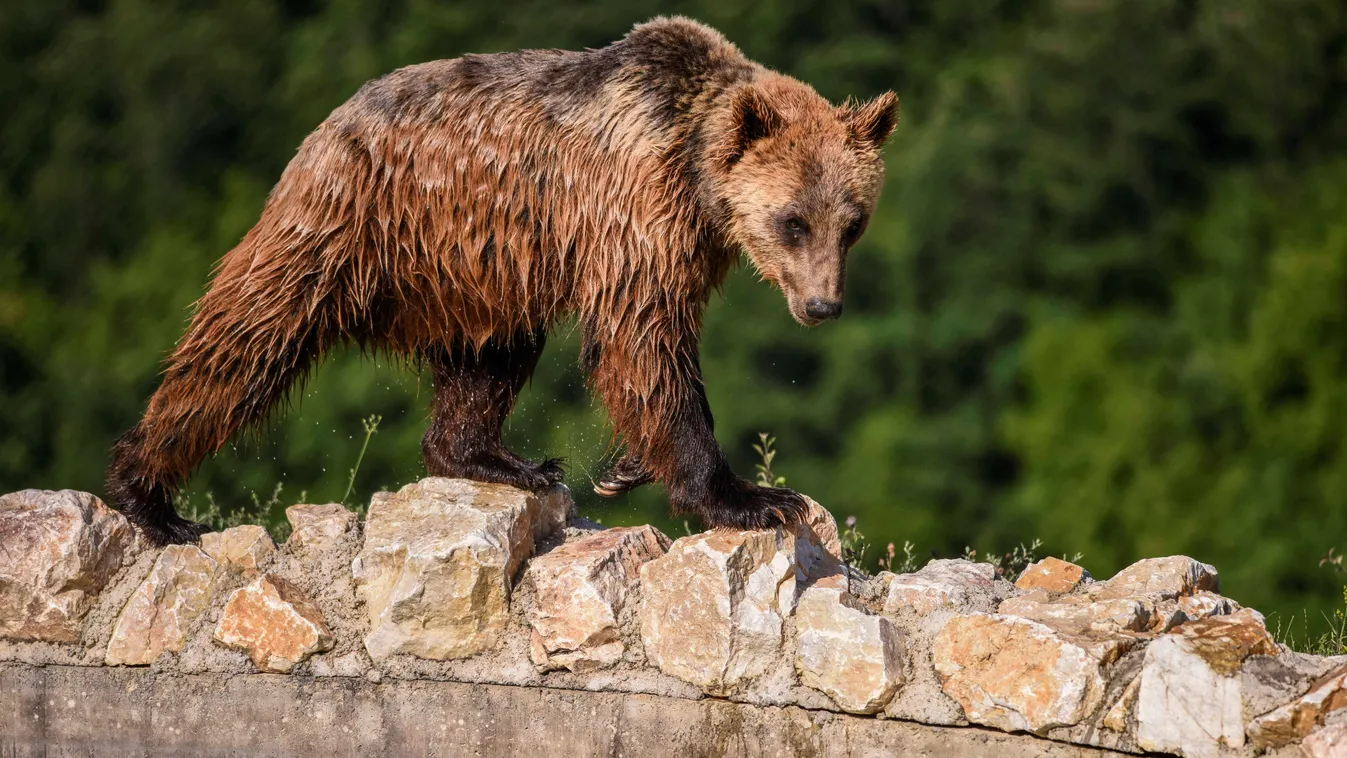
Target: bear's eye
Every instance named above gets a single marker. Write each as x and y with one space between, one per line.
853 231
795 224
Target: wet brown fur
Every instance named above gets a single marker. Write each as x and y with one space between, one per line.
453 211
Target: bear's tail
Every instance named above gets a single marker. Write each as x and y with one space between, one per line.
270 312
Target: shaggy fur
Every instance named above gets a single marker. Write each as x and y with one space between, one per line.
453 211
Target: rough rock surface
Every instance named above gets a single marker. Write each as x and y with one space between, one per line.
581 591
164 608
1190 700
852 655
1296 719
318 527
1016 674
1053 575
943 583
712 608
1326 742
59 550
438 563
274 623
240 548
1151 659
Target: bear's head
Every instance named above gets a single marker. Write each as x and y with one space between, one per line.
798 179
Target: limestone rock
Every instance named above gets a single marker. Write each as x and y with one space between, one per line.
582 588
1116 718
1167 614
853 656
241 548
59 550
712 608
1078 613
161 612
274 623
1190 701
1161 578
1327 742
942 583
1053 575
1015 674
318 527
439 557
823 527
1297 719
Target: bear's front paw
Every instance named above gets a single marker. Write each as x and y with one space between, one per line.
753 507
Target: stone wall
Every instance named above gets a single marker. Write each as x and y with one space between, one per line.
451 587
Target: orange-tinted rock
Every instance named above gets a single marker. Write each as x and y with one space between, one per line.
1078 613
164 608
1053 575
581 590
59 550
275 623
1015 674
1159 578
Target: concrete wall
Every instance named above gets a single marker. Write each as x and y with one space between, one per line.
84 711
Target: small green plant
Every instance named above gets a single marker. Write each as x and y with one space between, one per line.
767 477
890 560
1331 642
854 544
371 425
1011 565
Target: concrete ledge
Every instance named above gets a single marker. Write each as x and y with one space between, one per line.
87 711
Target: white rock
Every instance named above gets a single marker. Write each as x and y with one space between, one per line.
582 588
942 583
242 548
439 559
163 609
712 608
1326 742
1191 699
853 656
59 550
315 528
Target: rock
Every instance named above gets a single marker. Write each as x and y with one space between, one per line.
1167 614
1189 700
1116 718
1078 613
1160 578
1327 742
59 550
242 548
1053 575
161 613
1295 720
439 557
712 608
942 583
823 527
316 528
1015 674
582 587
274 623
846 652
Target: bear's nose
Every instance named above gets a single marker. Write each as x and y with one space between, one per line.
819 308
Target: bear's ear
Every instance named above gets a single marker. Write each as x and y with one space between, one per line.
752 118
871 124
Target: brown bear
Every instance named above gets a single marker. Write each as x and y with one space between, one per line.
452 211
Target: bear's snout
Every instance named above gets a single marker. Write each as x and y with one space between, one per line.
820 309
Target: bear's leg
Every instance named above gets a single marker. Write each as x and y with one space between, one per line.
657 403
474 393
243 350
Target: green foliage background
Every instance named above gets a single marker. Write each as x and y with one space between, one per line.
1102 302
